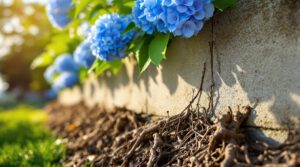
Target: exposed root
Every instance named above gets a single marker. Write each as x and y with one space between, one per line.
186 139
155 150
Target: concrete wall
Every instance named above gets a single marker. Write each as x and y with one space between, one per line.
256 60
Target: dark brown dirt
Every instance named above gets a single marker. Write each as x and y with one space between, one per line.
124 138
91 133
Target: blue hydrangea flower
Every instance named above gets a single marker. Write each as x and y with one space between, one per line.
57 11
147 14
50 94
65 63
83 55
183 18
65 80
49 74
106 38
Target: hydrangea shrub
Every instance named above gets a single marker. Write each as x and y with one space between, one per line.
100 34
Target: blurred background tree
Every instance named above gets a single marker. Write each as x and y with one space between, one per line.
24 33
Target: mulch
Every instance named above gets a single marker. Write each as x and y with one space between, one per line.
124 138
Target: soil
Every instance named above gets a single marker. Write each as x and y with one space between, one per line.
124 138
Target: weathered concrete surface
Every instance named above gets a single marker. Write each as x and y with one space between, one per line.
256 60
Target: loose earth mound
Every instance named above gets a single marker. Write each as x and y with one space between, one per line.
124 138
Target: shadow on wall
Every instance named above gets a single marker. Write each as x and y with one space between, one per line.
265 55
256 57
257 53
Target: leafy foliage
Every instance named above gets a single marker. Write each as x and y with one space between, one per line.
150 42
142 53
223 4
99 66
60 43
158 47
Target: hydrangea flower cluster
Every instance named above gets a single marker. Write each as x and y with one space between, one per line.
107 39
50 94
65 80
57 11
49 74
183 18
83 55
66 70
65 63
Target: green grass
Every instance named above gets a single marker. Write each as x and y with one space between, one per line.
25 140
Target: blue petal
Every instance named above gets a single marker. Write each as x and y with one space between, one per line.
181 8
188 2
167 2
199 15
150 3
178 2
188 29
172 17
199 25
209 9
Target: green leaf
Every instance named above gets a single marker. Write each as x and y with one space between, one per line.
115 66
43 60
142 54
62 43
131 27
75 23
102 68
129 3
96 63
123 6
158 47
81 5
223 4
124 10
55 76
71 13
99 67
136 44
99 13
95 9
58 43
83 74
